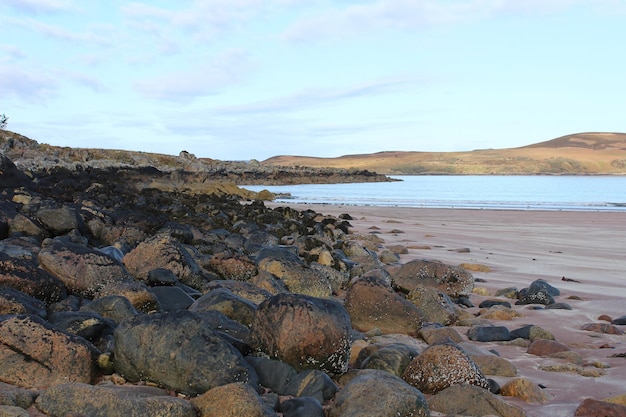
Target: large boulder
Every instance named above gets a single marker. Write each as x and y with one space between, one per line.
452 280
440 366
231 305
305 332
236 399
34 353
58 221
164 251
111 400
83 270
298 277
10 175
435 305
26 276
375 393
372 304
180 351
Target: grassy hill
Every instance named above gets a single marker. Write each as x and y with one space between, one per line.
577 154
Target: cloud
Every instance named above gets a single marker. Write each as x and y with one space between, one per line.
224 70
41 6
60 33
29 86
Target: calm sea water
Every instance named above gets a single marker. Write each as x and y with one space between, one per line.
572 193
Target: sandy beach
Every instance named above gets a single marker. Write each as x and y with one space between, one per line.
588 249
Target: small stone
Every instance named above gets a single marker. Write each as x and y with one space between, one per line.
591 407
524 389
602 328
543 347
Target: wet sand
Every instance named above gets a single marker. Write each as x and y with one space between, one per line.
519 247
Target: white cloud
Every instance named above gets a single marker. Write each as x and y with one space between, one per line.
41 6
26 85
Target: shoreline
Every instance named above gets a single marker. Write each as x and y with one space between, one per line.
519 247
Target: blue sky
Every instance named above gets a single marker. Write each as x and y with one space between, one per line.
250 79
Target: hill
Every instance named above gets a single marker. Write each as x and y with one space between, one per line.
591 153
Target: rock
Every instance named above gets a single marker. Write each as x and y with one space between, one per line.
602 328
297 277
234 399
233 267
26 276
172 298
509 292
12 411
524 389
373 304
161 276
10 175
83 270
620 321
113 307
539 292
544 347
469 400
33 353
138 293
223 300
111 400
594 408
558 306
58 221
499 312
163 251
21 224
11 395
303 331
272 374
16 302
489 333
435 305
88 325
532 333
312 383
374 393
388 257
436 334
302 407
392 357
246 290
440 366
488 362
451 280
184 353
491 303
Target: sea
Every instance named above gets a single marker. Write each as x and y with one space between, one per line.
519 192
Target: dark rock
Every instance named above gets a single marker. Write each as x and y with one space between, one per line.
312 383
162 276
16 302
258 240
558 306
440 366
532 333
83 270
285 252
231 305
621 321
184 353
488 333
392 358
113 307
11 395
470 400
138 293
302 407
451 280
111 400
272 374
539 292
10 175
303 331
373 393
225 326
373 304
172 298
491 303
26 276
436 306
58 221
88 325
33 353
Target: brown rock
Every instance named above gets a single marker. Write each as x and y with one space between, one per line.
26 276
136 292
303 331
602 328
524 389
440 366
451 280
234 267
435 334
35 354
235 399
373 304
83 270
435 305
545 347
594 408
469 400
297 277
163 251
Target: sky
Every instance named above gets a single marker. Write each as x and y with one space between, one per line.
251 79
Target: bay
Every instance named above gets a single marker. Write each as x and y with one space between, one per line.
571 193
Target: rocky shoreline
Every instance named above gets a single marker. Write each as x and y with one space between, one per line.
121 298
